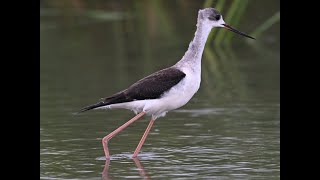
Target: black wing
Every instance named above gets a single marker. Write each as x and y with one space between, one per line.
150 87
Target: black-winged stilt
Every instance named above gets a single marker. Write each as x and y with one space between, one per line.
167 89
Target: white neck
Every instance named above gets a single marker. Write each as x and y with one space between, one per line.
192 58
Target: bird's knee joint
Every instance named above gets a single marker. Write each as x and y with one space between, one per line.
106 139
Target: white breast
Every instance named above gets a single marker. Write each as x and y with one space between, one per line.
176 97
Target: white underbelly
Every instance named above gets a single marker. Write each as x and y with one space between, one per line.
175 98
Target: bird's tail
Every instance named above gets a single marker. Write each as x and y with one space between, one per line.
93 106
116 98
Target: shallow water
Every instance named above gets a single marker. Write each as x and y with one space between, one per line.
229 130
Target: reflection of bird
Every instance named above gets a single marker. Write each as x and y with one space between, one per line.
167 89
142 171
105 172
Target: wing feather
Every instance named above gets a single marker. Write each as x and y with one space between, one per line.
150 87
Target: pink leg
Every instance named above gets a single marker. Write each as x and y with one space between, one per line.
106 139
143 138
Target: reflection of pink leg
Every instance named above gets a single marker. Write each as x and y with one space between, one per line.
106 139
105 172
142 172
143 138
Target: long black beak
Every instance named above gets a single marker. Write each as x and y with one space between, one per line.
236 31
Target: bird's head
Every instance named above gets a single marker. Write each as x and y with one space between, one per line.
213 18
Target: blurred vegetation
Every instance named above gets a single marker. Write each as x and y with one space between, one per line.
267 24
233 15
137 25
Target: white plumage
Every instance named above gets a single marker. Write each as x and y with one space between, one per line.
182 92
176 97
168 89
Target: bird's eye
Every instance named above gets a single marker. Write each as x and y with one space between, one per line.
217 17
